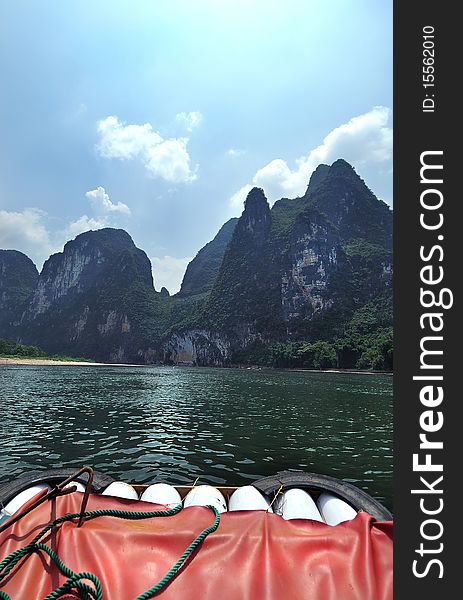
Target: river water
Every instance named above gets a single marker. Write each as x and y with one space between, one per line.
174 424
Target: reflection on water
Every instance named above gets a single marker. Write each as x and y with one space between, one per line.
176 424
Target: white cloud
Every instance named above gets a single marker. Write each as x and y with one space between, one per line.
168 272
26 231
365 141
238 198
235 152
170 161
190 119
84 223
125 141
105 214
101 202
167 159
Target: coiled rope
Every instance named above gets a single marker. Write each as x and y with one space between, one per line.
75 581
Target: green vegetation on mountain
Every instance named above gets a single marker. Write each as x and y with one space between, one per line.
284 215
351 206
12 349
95 299
317 177
18 279
320 275
304 284
246 291
373 351
202 270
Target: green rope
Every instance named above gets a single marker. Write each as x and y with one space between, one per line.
75 580
191 548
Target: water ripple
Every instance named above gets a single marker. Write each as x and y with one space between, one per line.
177 424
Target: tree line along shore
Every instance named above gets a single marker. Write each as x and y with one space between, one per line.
319 356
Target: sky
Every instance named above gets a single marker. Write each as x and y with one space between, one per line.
159 116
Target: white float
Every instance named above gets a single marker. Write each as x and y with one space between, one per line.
202 495
21 499
162 493
248 498
297 504
79 486
120 489
334 510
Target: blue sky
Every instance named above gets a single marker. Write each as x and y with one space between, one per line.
158 116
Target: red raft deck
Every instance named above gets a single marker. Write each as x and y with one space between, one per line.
253 555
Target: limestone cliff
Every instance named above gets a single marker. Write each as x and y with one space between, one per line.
303 270
93 299
202 270
18 278
245 292
313 259
312 269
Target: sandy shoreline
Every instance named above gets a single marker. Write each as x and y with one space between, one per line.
48 362
343 371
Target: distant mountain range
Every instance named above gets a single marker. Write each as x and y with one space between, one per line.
304 283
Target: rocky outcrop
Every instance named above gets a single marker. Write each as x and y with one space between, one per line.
198 347
317 267
314 257
18 279
351 206
301 270
202 271
96 298
317 177
246 292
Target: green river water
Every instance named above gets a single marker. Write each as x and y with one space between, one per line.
174 424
